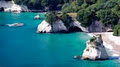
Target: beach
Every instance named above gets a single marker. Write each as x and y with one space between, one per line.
110 42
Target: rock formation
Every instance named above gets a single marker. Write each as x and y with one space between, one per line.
57 27
95 49
14 25
75 26
10 6
96 26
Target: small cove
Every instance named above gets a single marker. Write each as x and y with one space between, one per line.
23 47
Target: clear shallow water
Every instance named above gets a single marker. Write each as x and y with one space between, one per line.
23 47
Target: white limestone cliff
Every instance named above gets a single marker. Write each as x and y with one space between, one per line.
10 6
95 50
45 27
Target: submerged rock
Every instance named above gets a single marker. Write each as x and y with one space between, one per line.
95 49
57 27
14 25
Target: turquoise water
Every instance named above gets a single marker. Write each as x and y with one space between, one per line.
23 47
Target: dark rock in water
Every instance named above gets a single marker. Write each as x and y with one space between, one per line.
77 57
114 57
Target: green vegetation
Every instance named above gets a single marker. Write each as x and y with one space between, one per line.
66 19
70 7
42 4
117 30
107 11
51 17
83 16
8 0
32 4
92 39
108 17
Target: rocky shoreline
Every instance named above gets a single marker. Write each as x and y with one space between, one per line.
110 42
10 6
95 49
58 27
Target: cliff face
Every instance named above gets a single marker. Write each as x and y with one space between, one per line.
57 27
10 6
96 26
75 26
95 50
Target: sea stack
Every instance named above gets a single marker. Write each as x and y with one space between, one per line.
95 49
57 27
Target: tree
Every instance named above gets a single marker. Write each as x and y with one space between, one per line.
102 1
70 7
51 17
80 2
66 19
83 16
108 17
44 3
117 30
110 4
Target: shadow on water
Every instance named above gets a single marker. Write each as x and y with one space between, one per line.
110 58
114 57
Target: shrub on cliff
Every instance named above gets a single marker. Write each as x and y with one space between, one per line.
66 19
50 17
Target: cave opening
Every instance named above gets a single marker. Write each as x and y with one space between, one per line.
1 9
74 29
